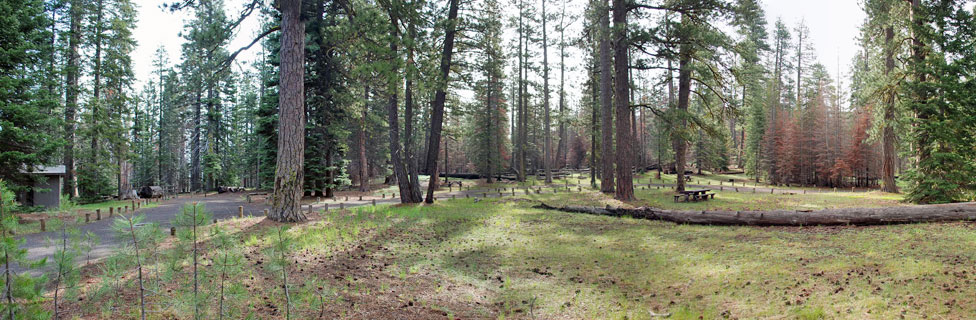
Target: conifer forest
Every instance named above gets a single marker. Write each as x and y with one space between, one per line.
487 159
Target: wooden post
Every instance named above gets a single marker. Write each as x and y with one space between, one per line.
347 198
98 215
360 198
326 207
240 211
265 212
172 231
309 209
374 202
87 217
111 211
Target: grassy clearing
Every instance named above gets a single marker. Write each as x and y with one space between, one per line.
745 199
503 259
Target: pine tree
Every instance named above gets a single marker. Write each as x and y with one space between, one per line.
24 103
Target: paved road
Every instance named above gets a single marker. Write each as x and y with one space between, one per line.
41 245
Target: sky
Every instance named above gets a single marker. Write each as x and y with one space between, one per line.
833 28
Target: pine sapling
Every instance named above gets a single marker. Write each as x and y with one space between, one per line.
187 222
129 223
67 275
23 287
278 256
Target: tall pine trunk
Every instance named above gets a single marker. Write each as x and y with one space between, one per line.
547 139
561 147
71 99
888 133
396 158
289 174
684 92
606 102
408 144
440 97
625 145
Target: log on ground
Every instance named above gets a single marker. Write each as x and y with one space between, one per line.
826 217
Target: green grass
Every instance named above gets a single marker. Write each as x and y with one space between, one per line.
745 199
501 258
580 266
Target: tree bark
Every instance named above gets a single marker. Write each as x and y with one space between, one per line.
289 172
827 217
606 103
440 97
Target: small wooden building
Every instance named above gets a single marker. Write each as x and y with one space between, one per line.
46 191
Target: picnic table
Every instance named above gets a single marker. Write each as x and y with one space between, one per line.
694 195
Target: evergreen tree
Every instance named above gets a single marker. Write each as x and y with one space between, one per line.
24 104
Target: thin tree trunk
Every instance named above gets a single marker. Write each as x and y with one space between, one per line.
396 159
562 146
684 91
96 91
412 174
440 97
606 101
71 99
593 118
363 165
289 175
547 139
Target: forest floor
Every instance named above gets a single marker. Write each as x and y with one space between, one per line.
501 258
478 258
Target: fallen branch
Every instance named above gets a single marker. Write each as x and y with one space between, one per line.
826 217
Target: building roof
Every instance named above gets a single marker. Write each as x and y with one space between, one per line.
49 170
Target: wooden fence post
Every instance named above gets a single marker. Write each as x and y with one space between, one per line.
240 211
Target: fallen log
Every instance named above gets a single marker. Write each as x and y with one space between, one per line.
826 217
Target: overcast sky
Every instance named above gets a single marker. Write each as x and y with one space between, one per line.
833 28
